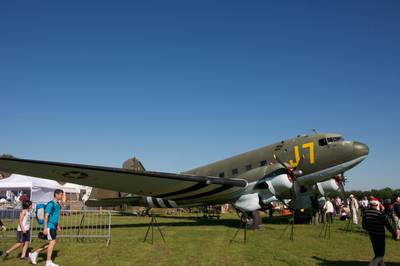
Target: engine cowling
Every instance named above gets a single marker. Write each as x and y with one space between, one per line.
270 181
276 180
327 186
279 184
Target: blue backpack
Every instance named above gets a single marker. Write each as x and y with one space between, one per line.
40 211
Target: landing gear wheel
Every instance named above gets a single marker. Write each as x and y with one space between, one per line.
255 220
252 220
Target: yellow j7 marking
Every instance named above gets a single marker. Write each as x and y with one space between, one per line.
308 145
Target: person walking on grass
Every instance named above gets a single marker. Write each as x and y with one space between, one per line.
2 226
374 222
51 226
328 208
23 230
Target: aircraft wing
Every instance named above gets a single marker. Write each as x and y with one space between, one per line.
111 202
146 183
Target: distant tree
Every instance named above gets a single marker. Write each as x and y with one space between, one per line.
4 174
385 193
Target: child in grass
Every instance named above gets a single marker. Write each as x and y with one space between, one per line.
23 230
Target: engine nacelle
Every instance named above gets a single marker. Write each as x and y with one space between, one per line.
269 181
327 186
276 181
279 184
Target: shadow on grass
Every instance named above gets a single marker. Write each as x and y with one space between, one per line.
194 218
277 219
198 221
225 222
265 220
183 222
324 262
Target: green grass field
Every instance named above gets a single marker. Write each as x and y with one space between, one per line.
206 242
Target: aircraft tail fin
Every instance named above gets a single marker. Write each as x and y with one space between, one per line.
111 198
133 164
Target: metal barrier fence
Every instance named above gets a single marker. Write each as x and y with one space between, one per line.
79 225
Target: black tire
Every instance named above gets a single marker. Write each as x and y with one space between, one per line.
254 220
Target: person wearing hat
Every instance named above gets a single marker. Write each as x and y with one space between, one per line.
374 222
380 205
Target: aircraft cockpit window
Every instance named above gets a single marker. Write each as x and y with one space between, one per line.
335 139
323 142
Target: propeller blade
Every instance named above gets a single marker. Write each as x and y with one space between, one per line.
279 161
293 172
301 161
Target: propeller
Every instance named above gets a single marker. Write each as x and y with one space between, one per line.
292 172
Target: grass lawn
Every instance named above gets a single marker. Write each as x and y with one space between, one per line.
206 242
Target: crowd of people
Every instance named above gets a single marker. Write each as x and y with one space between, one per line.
376 216
50 227
15 198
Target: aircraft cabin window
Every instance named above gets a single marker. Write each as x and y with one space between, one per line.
262 163
235 171
221 174
322 142
248 167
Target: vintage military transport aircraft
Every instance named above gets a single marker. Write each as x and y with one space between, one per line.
299 168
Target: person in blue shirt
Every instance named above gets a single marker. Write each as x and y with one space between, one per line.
51 226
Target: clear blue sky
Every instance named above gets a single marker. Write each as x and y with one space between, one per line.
181 84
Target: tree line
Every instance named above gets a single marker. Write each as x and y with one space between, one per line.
384 193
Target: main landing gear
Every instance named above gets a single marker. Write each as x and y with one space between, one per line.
248 220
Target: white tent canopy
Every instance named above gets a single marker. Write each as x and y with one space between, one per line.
73 188
41 189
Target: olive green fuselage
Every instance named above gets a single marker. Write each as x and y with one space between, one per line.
313 153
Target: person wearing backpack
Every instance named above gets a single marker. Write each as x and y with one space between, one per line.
50 227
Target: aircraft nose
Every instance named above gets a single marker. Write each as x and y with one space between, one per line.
360 149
